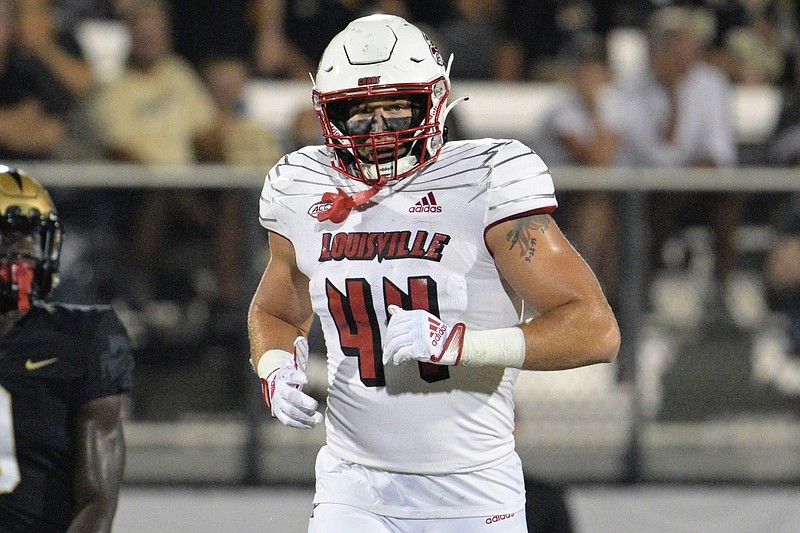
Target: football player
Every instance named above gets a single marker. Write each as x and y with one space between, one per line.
401 243
64 371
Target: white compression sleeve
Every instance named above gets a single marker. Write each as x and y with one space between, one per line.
503 347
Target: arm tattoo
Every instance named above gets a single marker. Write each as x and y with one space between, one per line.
523 234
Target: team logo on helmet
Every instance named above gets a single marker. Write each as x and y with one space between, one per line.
434 51
369 80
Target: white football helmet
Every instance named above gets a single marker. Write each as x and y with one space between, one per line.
374 56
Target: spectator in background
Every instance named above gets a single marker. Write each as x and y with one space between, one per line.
158 111
532 40
585 129
33 99
237 140
784 148
274 55
754 54
158 107
679 116
49 32
473 35
208 29
541 38
40 36
754 47
782 265
291 34
304 130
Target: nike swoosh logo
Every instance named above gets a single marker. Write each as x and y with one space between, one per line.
36 365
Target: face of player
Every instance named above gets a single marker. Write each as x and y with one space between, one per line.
20 244
377 115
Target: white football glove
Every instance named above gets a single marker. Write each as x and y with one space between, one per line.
282 390
418 335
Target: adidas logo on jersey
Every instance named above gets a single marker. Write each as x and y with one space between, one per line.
426 205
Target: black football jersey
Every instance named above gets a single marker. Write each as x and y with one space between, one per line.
54 359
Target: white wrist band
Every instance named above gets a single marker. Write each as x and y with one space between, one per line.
503 347
271 361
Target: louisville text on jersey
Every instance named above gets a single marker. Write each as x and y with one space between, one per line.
366 246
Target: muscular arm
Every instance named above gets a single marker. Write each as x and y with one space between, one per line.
99 464
575 325
281 307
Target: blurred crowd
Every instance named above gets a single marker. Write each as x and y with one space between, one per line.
646 83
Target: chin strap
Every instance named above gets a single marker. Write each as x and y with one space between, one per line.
342 204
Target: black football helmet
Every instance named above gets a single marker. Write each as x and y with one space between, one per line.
30 241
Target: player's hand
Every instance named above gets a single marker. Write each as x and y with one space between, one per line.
283 391
418 335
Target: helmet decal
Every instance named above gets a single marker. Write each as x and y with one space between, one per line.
434 51
16 177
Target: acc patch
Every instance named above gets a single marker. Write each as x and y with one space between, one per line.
319 207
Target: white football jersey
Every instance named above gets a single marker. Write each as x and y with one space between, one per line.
419 244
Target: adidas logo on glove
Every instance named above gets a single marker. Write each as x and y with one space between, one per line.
438 330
